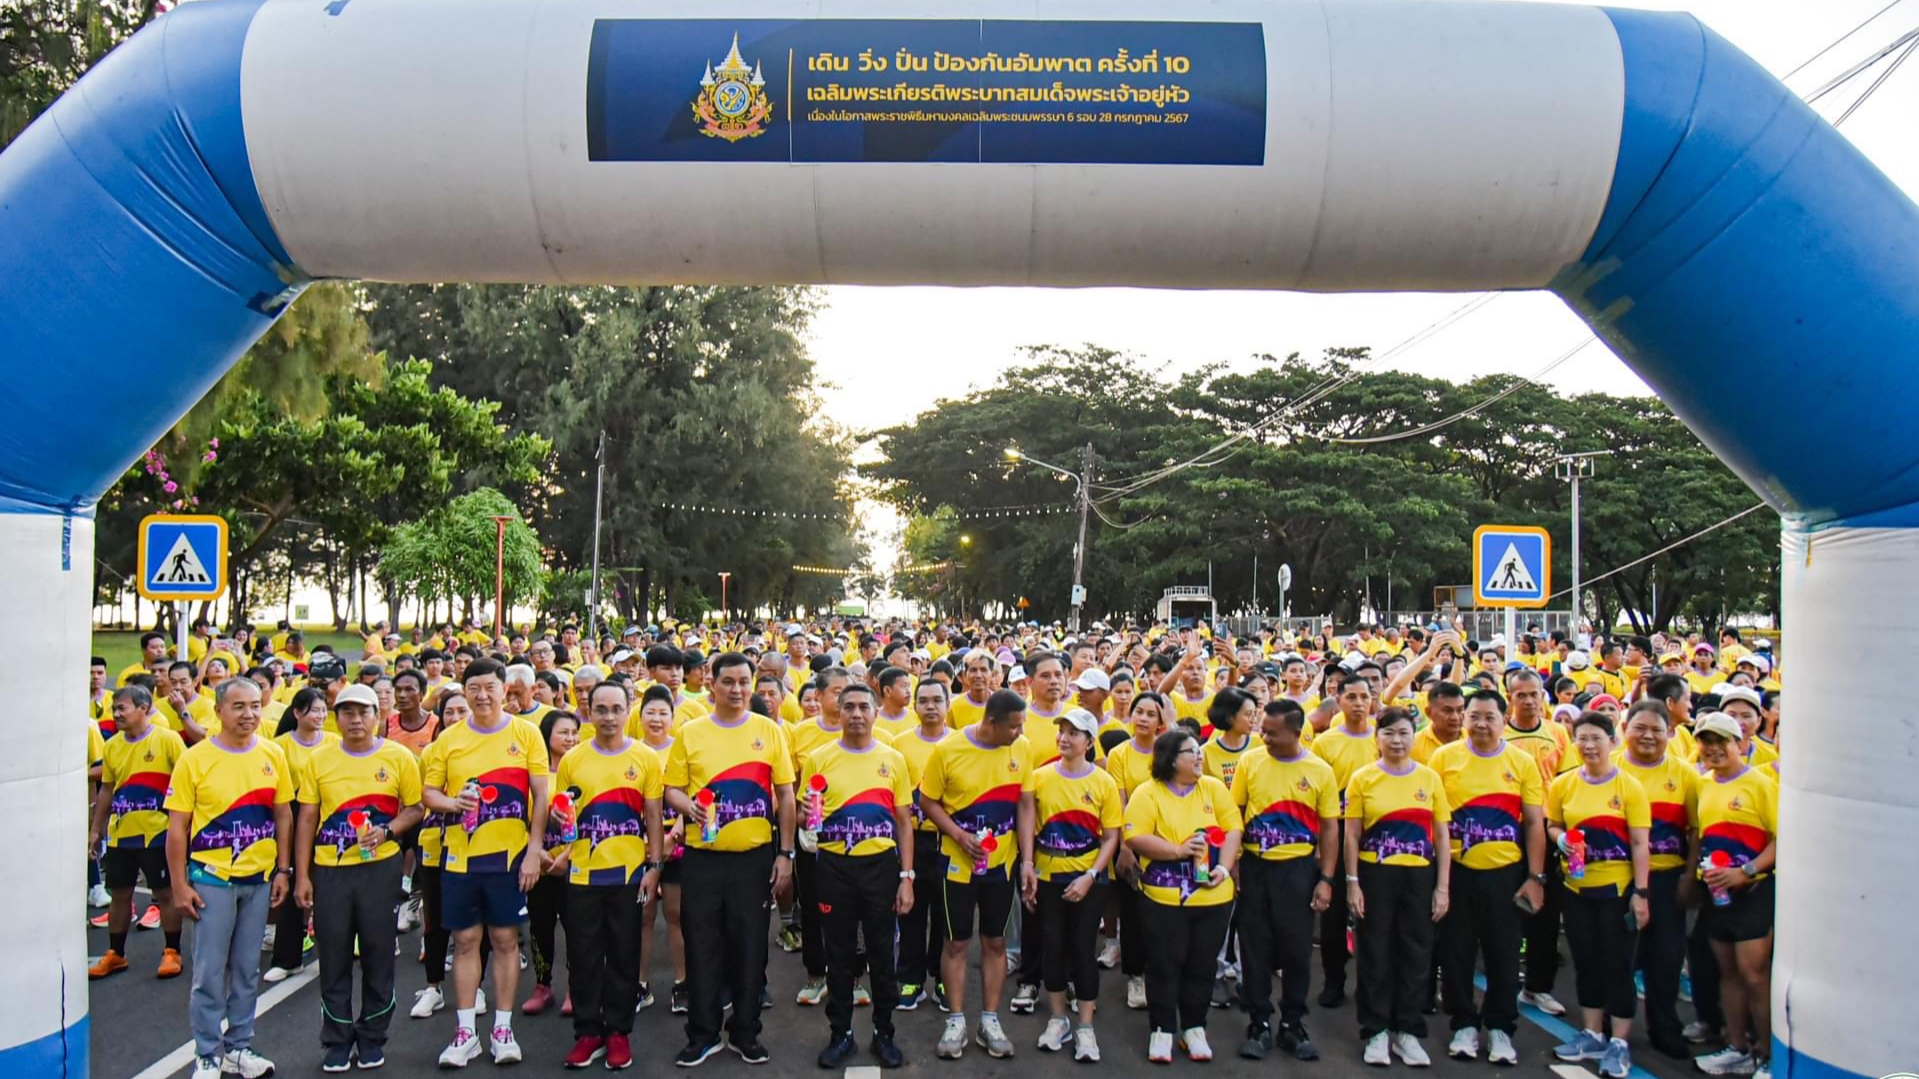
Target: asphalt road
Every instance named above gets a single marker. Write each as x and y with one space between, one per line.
140 1029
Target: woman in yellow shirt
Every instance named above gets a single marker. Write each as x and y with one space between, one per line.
1131 765
1601 820
1185 829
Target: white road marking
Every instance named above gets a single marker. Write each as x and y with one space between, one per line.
866 1071
275 995
1568 1071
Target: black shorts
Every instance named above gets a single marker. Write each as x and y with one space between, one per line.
991 899
1747 917
119 866
669 872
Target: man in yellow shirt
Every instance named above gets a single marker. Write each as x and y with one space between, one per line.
153 653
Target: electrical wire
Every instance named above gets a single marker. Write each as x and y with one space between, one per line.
1463 413
1855 70
1840 40
1880 81
1673 546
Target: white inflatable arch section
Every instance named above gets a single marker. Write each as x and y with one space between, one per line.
1758 271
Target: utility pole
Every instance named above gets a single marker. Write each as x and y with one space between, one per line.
1079 549
599 490
1573 467
499 572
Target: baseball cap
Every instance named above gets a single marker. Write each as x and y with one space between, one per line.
1092 678
326 670
619 656
1728 694
1577 661
1702 646
357 694
1082 720
1018 674
1718 723
1671 657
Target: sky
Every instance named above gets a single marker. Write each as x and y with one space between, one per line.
980 332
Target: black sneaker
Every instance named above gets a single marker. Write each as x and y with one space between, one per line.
369 1057
886 1052
1332 996
1259 1042
910 995
752 1051
839 1051
766 998
679 998
936 992
338 1058
1294 1039
695 1055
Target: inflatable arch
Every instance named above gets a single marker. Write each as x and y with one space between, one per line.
1741 255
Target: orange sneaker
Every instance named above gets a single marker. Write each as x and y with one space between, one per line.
169 964
111 963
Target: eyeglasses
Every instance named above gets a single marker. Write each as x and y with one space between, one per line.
1194 750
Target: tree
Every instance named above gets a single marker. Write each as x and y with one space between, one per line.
45 46
452 552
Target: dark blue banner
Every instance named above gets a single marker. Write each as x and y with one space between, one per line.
926 90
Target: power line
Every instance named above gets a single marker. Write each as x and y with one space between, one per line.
1463 413
1840 40
1675 545
1880 81
1855 70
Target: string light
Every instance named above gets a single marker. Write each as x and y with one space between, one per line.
922 567
1033 510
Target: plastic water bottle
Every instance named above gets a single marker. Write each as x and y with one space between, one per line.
564 805
471 818
988 843
710 831
1575 854
815 802
1718 859
359 823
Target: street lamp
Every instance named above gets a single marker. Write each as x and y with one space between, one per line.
1574 467
965 540
499 571
1083 479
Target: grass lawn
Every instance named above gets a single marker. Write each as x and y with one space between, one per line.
122 648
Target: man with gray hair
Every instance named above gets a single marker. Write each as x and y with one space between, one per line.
229 842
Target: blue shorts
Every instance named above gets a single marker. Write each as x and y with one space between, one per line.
490 899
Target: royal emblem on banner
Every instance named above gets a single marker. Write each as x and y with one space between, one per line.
733 104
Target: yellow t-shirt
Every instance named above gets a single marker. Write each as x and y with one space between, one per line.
96 748
1157 810
137 773
1130 766
1284 801
199 708
1487 797
743 765
433 825
1345 751
1397 813
1547 743
893 726
1221 762
864 790
918 751
1072 814
964 712
609 845
1739 816
503 760
1426 743
979 787
297 752
1672 795
1195 710
811 734
1703 683
128 672
230 795
379 783
1604 811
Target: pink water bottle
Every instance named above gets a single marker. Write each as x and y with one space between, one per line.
1575 854
988 843
815 802
1718 859
710 831
471 819
564 808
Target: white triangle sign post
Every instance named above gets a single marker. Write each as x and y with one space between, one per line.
181 566
1510 574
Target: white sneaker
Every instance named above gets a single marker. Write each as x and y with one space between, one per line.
246 1064
1025 999
275 975
410 914
1762 1070
427 1001
266 940
506 1048
206 1068
1465 1044
953 1039
1545 1002
1697 1032
1159 1047
1727 1061
992 1037
479 1001
1136 992
1196 1046
1086 1046
1377 1054
1499 1048
1058 1030
1108 952
97 897
464 1049
1409 1050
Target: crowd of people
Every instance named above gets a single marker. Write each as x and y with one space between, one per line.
1199 811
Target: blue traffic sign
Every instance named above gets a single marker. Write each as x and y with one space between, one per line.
182 557
1512 566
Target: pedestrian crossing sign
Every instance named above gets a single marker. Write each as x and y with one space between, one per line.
182 557
1512 566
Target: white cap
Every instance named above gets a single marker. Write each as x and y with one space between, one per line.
1718 723
1577 661
357 694
619 656
1081 719
1728 694
1018 675
1498 641
1092 678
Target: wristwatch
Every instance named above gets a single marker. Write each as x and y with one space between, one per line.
1542 878
285 869
787 854
1750 870
908 874
1326 879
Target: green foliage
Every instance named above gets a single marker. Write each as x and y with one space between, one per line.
706 398
452 552
1344 516
46 45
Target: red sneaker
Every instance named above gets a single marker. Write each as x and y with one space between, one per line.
619 1054
566 1006
586 1051
541 1000
98 921
151 919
